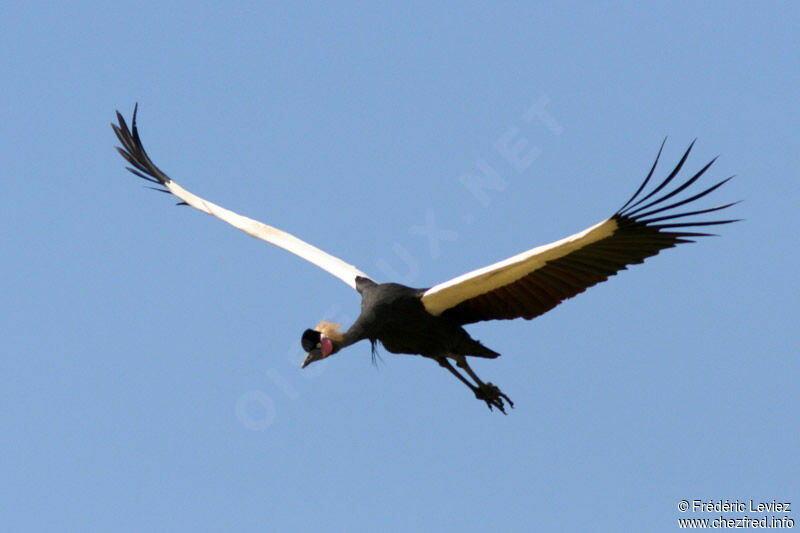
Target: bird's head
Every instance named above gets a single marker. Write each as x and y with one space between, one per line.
320 342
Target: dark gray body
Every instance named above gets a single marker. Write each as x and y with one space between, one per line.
394 315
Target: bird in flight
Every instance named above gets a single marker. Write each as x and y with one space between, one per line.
429 321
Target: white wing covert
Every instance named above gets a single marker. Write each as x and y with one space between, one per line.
133 151
533 282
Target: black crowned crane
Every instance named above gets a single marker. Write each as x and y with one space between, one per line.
430 321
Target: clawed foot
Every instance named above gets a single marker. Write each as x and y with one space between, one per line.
493 397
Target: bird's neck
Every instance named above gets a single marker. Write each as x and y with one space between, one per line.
352 335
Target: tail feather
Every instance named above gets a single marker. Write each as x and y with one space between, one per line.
476 349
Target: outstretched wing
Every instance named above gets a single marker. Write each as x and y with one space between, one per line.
133 151
533 282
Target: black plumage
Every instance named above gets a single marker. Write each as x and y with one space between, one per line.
429 321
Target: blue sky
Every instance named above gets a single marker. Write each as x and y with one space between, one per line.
150 374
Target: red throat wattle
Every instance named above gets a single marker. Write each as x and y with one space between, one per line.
326 346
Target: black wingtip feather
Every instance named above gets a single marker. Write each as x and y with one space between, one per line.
639 213
639 234
664 183
157 189
649 221
677 190
134 153
647 179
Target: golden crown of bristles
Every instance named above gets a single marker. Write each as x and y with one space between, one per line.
332 330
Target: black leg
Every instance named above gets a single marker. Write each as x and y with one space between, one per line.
444 363
487 392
